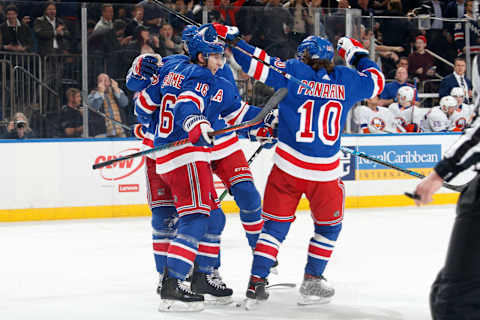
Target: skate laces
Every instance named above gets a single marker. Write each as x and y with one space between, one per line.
215 281
182 286
316 286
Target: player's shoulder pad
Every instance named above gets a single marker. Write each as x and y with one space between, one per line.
175 58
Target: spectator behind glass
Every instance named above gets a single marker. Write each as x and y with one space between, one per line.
18 128
212 14
389 94
137 20
457 79
183 7
14 35
71 117
144 43
106 20
154 16
51 32
421 63
109 99
171 44
302 19
277 29
229 10
396 31
402 62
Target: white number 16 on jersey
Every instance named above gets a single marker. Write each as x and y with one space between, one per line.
328 122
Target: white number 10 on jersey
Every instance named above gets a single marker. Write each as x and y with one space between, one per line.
328 122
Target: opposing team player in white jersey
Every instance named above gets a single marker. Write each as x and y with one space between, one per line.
437 118
463 114
307 156
373 118
408 117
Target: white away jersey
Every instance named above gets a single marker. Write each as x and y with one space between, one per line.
435 121
461 117
374 121
405 116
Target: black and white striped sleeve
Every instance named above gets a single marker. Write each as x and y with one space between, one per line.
462 154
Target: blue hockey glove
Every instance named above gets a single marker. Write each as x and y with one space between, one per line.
146 65
351 50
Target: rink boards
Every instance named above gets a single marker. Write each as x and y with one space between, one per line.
45 179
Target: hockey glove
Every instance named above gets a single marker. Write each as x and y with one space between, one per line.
198 128
146 65
227 32
351 50
271 119
138 131
412 127
263 135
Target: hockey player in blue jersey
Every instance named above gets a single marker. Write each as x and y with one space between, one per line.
228 161
307 156
164 215
189 97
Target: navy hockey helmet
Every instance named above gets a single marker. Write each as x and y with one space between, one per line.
317 47
205 41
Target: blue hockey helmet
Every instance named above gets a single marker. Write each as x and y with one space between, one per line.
188 32
317 47
205 41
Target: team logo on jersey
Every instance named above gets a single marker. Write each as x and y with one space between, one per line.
279 63
461 123
378 123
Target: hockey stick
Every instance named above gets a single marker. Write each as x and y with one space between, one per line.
271 103
254 155
281 285
107 117
406 171
195 23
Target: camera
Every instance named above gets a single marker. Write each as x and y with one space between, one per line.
20 124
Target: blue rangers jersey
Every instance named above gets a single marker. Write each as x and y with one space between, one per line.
149 116
227 143
183 92
224 144
311 121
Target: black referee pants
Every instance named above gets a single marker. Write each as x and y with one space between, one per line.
455 294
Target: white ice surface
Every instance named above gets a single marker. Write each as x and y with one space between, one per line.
382 268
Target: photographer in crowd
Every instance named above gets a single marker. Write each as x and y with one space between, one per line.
18 128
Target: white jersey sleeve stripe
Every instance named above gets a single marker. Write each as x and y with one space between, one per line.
378 81
193 97
236 117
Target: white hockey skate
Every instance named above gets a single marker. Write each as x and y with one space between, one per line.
315 290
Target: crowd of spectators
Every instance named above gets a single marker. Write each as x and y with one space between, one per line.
117 33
